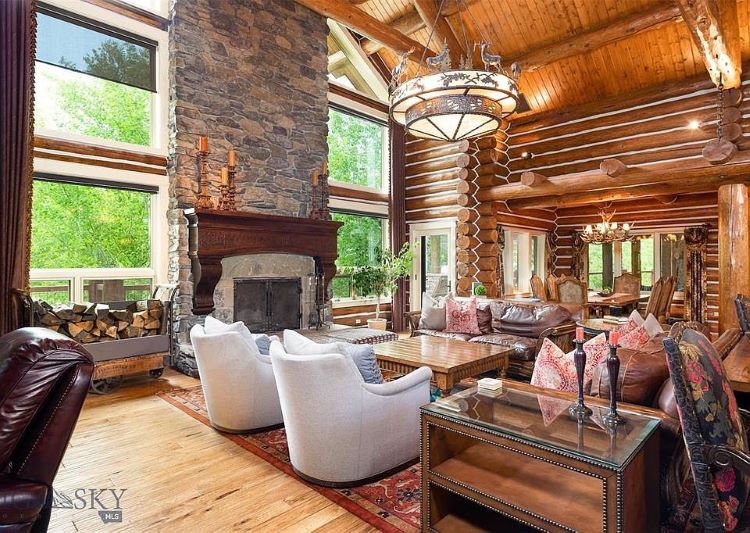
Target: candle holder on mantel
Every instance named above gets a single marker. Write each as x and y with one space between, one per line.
232 189
579 409
613 367
314 209
325 192
204 198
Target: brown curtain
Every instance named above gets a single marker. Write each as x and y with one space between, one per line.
398 217
17 48
696 242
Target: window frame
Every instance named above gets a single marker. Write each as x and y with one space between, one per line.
379 119
159 99
76 276
524 259
655 234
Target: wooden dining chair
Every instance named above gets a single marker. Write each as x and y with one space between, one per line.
628 283
573 291
665 299
552 295
652 306
537 288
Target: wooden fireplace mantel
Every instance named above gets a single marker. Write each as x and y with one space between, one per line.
214 235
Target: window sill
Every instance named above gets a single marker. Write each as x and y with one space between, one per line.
359 301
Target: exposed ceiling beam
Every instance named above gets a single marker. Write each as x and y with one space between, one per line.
715 30
598 38
592 180
443 33
664 192
410 23
357 20
407 24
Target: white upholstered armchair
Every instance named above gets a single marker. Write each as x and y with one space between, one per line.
238 382
342 431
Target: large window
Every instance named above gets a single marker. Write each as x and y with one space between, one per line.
650 256
359 240
523 257
93 80
90 243
357 152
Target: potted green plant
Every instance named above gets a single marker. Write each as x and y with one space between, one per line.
380 278
480 291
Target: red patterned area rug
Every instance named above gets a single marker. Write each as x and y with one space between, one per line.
391 504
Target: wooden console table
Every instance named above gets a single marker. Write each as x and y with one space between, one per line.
518 456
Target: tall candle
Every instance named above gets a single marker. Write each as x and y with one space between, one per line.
614 337
203 143
224 176
315 177
325 168
579 333
232 158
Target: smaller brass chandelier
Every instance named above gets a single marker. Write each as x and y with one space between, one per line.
454 103
606 231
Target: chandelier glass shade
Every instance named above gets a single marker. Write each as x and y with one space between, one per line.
455 104
606 231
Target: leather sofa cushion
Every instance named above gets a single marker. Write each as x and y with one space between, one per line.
642 374
524 348
526 320
20 501
484 316
444 334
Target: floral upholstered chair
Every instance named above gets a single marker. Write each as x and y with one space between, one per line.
713 431
538 290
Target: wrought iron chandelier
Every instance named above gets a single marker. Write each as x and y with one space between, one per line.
606 231
452 104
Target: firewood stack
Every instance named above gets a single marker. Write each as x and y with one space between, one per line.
97 322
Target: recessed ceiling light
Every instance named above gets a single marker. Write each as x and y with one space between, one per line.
527 155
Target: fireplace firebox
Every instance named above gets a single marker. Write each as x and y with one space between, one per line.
268 304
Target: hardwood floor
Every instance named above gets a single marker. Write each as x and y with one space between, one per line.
178 474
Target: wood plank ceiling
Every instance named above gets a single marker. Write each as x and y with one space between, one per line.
663 53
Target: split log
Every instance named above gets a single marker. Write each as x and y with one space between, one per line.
487 235
532 179
613 167
719 151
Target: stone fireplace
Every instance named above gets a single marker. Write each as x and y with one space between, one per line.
237 77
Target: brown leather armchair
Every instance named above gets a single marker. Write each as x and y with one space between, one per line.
44 377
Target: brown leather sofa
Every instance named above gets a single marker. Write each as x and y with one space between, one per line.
522 326
44 377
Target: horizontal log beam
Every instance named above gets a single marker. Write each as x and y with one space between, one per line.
590 40
368 26
593 180
658 190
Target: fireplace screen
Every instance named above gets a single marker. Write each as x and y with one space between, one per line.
268 304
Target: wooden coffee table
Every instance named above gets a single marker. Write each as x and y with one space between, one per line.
451 360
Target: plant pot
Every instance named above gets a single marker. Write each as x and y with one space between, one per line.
377 323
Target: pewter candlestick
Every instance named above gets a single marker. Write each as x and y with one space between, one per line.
579 358
613 367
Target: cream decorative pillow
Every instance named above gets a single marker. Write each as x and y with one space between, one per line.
556 370
297 344
433 313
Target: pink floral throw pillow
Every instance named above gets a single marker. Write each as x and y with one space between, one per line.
634 320
554 369
461 317
597 351
635 339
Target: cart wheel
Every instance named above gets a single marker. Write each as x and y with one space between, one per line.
105 386
156 373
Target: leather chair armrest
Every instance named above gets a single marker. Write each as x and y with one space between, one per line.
561 335
727 341
412 320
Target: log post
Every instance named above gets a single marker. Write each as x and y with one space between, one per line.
734 251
